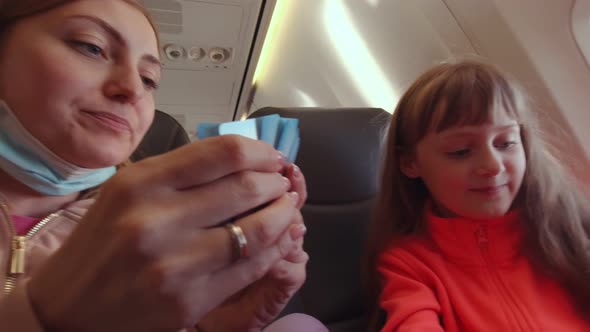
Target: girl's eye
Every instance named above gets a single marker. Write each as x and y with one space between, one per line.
459 153
506 145
150 83
89 48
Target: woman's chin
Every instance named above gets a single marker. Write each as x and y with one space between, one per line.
99 158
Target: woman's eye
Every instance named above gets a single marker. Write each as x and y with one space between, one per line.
89 48
459 153
150 83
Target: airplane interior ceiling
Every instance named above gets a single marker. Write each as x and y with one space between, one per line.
205 47
354 53
332 53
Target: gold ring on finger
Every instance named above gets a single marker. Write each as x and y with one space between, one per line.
239 242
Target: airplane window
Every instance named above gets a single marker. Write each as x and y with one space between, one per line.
580 22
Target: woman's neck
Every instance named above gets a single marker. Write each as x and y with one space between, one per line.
25 201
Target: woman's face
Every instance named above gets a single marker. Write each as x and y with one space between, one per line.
81 79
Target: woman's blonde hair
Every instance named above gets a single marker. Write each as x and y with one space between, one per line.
555 213
12 11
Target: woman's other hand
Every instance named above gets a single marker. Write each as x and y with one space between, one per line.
148 255
260 303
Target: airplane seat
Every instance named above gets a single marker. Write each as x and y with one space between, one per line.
339 155
165 134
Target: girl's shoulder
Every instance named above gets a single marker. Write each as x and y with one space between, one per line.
412 247
414 257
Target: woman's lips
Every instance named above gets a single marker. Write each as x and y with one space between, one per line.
111 121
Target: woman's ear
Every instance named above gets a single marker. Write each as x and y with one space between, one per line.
409 167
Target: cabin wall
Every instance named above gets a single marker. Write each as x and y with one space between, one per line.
334 53
534 41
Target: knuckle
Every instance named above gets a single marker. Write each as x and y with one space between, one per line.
235 148
169 294
300 277
303 196
298 217
304 261
158 276
249 185
286 246
132 235
137 237
258 270
281 272
263 232
183 311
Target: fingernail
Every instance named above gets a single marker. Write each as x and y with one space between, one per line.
281 157
294 196
297 231
286 182
296 171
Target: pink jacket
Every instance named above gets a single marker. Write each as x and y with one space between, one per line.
16 313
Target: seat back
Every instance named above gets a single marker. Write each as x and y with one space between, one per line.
165 134
339 155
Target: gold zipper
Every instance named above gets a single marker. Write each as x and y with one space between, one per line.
18 248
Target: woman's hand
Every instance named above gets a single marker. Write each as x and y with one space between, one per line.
148 255
260 303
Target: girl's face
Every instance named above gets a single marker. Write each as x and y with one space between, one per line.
471 171
81 79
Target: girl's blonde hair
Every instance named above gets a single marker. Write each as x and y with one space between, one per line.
555 213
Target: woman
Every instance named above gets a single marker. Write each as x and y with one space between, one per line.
147 252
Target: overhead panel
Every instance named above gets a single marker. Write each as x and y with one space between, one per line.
204 52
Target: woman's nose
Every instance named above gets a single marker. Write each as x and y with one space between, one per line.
124 85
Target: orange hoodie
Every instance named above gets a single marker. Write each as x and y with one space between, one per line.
471 276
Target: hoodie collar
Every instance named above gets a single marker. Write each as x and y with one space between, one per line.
473 242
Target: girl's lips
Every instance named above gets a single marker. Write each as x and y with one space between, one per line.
111 121
490 190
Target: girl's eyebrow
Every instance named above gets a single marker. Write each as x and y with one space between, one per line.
475 130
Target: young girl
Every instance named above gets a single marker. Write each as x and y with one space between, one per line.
478 228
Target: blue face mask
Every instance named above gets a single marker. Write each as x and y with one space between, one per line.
26 159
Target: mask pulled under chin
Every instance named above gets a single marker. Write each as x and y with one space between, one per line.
26 159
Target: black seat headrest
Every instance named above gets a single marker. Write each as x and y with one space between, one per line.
339 150
165 134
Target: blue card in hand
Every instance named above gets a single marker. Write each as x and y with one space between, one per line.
288 133
245 128
282 133
205 130
268 127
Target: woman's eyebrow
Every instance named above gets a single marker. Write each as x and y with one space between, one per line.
105 26
152 59
116 36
